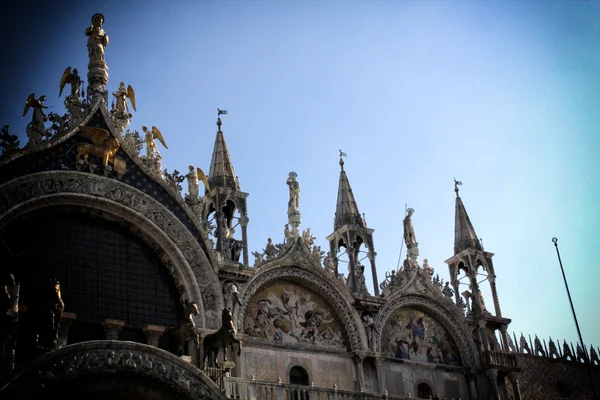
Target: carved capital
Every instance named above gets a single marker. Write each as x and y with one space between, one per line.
112 328
153 333
244 221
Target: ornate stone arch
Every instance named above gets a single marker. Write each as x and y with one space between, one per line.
444 314
297 267
97 361
193 274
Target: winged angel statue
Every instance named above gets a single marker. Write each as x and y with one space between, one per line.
72 78
150 137
35 129
121 95
193 177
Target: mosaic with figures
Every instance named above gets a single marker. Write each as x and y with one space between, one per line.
412 335
290 314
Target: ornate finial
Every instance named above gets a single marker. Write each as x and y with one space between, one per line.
342 154
219 113
456 184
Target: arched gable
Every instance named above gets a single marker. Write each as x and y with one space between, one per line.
192 271
444 314
141 370
297 265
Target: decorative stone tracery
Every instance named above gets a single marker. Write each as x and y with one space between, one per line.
191 268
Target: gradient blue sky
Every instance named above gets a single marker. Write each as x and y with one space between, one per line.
504 96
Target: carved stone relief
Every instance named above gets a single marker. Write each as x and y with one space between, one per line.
333 293
443 313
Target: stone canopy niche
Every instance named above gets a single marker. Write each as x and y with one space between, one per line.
291 314
410 334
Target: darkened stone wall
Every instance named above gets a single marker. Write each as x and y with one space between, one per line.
104 271
551 379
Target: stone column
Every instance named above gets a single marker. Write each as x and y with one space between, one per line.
504 336
514 381
495 295
219 229
380 374
244 224
492 375
472 385
65 324
153 334
112 328
358 363
372 255
350 250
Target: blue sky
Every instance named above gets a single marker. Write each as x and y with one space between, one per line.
504 96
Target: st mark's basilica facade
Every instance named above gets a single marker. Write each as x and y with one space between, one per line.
118 282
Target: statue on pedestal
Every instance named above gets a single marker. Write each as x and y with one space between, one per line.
151 148
98 39
192 178
409 231
36 130
294 201
121 95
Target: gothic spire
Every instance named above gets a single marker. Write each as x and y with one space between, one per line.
221 172
347 210
464 233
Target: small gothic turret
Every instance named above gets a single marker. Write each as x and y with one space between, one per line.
470 258
464 233
351 233
221 173
226 201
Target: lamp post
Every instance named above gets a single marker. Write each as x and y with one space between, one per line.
587 359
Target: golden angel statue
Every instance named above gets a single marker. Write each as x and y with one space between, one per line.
193 177
98 39
72 78
35 129
150 137
121 96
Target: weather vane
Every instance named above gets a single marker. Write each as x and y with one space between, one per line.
342 154
456 184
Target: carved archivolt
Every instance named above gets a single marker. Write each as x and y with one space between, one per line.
96 357
295 266
443 313
191 269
